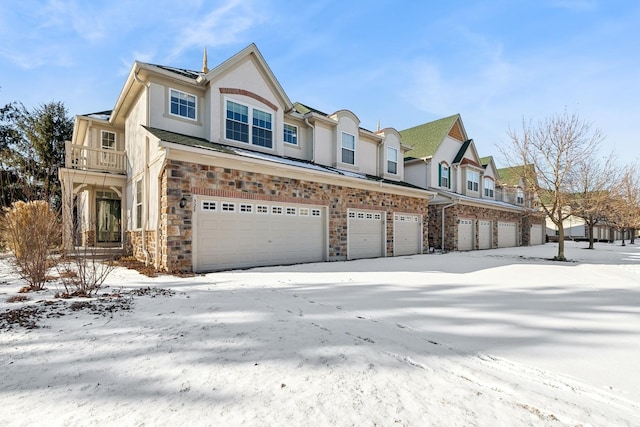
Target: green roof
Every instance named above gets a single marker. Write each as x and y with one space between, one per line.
512 175
484 161
426 138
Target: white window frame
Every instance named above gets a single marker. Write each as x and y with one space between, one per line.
519 196
344 149
292 132
139 197
186 95
107 158
473 180
445 175
392 160
262 209
251 127
489 187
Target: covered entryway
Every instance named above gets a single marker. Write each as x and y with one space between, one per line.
407 234
485 234
507 234
537 235
236 233
108 217
365 234
465 235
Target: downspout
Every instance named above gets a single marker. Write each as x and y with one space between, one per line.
313 139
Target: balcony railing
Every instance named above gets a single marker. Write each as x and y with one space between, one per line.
88 158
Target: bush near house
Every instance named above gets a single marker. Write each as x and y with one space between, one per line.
29 230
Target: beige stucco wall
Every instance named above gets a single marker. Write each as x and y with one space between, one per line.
246 76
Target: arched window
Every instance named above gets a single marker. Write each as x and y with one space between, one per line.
444 180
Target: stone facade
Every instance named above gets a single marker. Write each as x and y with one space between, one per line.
460 211
184 180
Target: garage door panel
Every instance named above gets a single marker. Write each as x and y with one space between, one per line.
407 237
365 231
535 236
507 234
465 235
485 234
253 234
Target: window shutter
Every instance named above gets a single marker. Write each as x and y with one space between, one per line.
439 174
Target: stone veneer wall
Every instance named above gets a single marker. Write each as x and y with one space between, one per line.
456 212
183 179
133 245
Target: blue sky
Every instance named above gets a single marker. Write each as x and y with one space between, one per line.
400 62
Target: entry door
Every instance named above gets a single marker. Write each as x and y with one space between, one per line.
108 221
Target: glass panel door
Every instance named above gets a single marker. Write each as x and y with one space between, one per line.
108 220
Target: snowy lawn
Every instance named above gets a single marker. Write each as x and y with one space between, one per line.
498 337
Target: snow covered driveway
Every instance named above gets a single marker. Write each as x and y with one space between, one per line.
498 337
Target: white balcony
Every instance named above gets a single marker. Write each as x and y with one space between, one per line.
94 159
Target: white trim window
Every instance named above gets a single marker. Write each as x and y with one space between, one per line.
182 104
138 204
392 160
290 134
107 140
238 117
473 180
519 196
489 187
348 148
444 175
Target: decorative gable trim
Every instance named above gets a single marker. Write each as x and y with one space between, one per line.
456 132
466 161
233 91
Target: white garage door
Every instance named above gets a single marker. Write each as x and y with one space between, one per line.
407 234
485 234
465 235
507 234
366 237
536 235
234 233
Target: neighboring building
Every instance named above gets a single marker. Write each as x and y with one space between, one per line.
218 169
473 209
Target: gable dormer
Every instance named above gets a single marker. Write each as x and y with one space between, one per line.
489 177
391 153
470 170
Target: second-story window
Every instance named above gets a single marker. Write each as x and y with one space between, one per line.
107 140
519 196
182 104
489 187
444 176
473 179
348 148
392 160
238 118
290 134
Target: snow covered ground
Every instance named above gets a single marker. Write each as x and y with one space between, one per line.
498 337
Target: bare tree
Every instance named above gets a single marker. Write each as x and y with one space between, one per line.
553 148
594 180
625 212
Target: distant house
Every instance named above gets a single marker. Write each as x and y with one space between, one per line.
218 169
474 208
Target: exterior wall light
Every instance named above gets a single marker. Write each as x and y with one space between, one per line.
183 203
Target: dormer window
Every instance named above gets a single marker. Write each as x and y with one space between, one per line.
473 180
444 176
182 104
489 187
239 116
348 148
519 196
392 160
